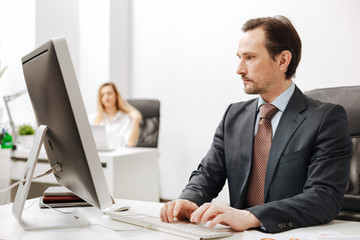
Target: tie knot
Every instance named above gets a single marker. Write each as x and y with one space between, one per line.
267 110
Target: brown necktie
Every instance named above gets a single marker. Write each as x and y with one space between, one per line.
262 144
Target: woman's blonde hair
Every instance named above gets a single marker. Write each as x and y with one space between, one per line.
120 103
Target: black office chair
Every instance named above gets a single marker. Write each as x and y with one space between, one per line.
149 126
349 98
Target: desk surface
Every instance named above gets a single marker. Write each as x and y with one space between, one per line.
10 229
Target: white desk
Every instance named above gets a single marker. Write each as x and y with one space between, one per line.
131 173
10 229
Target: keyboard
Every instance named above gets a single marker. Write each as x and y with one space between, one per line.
180 228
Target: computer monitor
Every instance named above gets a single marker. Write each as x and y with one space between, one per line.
64 131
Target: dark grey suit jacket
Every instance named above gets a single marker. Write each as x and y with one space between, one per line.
307 170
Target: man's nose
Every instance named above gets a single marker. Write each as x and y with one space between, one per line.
241 70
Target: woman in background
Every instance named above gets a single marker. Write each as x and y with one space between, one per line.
121 120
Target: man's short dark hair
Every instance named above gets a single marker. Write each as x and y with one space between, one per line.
280 35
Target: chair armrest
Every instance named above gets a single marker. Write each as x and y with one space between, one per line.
351 203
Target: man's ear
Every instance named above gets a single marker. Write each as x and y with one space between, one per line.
284 59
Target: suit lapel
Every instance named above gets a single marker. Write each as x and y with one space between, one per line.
248 133
244 145
289 123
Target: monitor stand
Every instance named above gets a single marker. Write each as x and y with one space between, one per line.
44 218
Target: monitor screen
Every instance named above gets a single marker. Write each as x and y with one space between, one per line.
56 99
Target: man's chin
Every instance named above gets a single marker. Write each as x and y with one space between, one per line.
250 90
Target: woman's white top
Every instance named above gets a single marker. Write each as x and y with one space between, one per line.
118 129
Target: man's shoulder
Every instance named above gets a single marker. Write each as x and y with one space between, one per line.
317 105
244 104
237 109
318 110
306 104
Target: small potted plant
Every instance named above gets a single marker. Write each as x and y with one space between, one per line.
25 136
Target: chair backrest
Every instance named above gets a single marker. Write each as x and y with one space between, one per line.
149 126
349 98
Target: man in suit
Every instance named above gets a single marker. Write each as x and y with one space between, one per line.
307 166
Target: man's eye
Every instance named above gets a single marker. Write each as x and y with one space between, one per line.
249 57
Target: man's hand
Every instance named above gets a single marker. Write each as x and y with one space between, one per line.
180 209
219 213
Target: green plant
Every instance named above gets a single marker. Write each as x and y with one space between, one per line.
26 129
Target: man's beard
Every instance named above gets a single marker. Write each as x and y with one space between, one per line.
260 87
250 87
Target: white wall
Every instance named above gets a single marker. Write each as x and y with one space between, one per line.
86 26
120 45
104 47
59 18
94 49
17 38
184 55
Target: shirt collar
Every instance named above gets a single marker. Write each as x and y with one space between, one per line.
282 100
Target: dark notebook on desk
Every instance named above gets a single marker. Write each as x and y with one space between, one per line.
61 197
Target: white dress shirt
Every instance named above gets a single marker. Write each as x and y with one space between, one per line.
118 129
